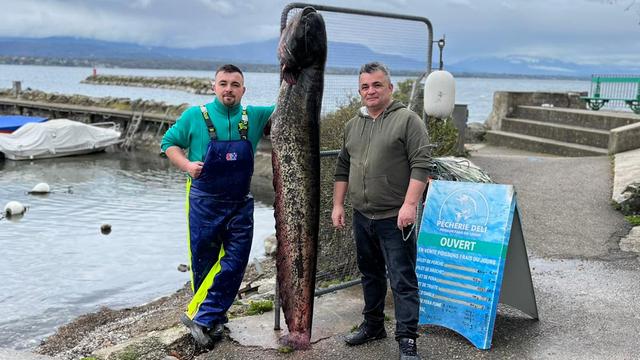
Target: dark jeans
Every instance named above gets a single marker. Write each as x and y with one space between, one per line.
380 245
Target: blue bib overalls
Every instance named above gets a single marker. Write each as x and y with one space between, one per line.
220 215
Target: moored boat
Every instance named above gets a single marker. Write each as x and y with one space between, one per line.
57 138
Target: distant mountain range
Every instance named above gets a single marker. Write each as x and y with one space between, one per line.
345 57
261 53
534 66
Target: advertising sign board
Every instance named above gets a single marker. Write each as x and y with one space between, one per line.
470 247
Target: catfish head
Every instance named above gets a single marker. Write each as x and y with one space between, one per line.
303 44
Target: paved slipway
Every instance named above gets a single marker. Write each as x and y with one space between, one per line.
586 287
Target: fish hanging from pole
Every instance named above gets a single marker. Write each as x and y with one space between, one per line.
295 139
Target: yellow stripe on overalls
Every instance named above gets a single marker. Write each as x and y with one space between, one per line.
201 294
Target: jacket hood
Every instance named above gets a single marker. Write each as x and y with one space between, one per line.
395 105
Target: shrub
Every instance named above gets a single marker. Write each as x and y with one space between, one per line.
442 132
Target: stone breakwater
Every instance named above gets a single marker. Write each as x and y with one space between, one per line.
126 104
200 86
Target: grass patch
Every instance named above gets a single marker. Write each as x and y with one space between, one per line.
259 307
615 205
285 349
633 219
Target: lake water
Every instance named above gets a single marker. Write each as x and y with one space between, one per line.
54 262
262 88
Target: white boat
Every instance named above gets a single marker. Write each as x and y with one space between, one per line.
56 138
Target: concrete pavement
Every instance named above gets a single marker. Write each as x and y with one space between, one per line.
586 286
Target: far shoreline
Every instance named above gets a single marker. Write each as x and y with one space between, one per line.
195 65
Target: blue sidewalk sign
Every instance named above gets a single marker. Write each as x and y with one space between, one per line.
471 255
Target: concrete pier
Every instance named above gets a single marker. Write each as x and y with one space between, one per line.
147 134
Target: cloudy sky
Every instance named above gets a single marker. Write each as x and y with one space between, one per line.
581 31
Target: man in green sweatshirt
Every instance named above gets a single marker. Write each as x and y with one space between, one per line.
383 166
221 139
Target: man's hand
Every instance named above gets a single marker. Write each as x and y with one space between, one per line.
407 215
337 216
194 168
339 193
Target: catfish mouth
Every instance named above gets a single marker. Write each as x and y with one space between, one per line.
299 44
290 70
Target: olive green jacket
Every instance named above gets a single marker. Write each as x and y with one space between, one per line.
380 156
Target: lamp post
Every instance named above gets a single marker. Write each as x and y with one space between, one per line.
440 43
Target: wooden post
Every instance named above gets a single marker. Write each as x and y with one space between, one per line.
17 88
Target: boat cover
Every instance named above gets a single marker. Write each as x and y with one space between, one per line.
55 138
10 123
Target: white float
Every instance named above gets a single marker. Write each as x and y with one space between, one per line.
41 188
14 208
439 94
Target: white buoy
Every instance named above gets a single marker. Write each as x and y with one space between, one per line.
41 188
14 208
439 94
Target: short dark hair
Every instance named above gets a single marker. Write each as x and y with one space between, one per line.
373 67
229 68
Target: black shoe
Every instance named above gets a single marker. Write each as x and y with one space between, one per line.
364 334
217 332
408 349
197 331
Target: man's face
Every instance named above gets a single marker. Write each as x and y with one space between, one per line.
229 87
375 90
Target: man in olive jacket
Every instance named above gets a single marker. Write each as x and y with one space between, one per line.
383 165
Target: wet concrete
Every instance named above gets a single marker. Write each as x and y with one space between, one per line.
336 313
586 287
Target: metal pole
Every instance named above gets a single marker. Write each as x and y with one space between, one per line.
331 289
276 309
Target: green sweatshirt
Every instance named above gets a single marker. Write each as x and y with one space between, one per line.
378 158
190 130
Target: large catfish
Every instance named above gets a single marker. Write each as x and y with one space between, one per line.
295 138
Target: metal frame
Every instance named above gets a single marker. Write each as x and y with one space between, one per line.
283 24
295 5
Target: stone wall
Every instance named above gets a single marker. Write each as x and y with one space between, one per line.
624 138
505 102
